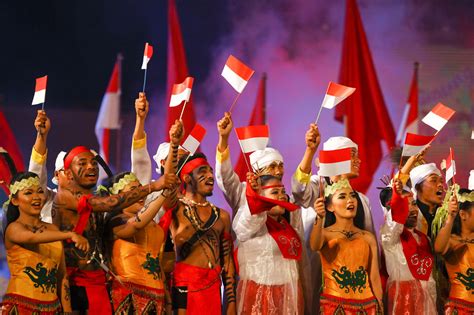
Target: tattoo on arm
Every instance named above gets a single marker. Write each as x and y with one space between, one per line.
67 292
119 201
229 280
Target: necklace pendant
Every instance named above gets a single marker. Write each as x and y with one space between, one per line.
209 264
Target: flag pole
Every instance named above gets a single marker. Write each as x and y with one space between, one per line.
187 158
319 113
144 81
118 134
242 150
235 100
182 110
453 163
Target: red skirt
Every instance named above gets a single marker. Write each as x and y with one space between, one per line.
458 307
17 304
202 286
410 298
143 300
335 305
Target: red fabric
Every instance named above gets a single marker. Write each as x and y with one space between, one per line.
165 221
8 142
418 255
143 299
94 283
257 118
413 100
330 305
84 209
177 72
72 154
259 204
410 298
286 238
458 307
398 207
105 145
366 117
191 165
203 285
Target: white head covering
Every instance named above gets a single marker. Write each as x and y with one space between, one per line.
336 143
58 165
262 158
421 172
161 154
471 180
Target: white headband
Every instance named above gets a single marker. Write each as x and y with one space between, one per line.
421 172
58 165
262 158
336 143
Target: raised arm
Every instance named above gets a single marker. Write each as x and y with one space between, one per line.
442 242
317 237
171 164
228 267
39 153
141 162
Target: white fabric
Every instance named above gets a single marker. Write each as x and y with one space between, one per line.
58 165
40 170
141 164
471 180
39 97
161 154
435 121
262 158
336 143
229 182
419 173
397 266
177 99
237 82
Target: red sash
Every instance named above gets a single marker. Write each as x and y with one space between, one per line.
419 256
94 283
258 204
84 210
286 238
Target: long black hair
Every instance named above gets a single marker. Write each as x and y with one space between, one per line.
13 212
466 206
359 219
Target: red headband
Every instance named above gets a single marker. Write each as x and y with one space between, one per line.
191 165
272 186
72 154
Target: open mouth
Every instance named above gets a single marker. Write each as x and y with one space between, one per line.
209 182
91 175
36 204
350 208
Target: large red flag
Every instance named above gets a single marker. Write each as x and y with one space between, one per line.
366 117
177 72
8 142
257 118
409 121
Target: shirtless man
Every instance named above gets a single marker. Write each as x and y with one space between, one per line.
201 235
76 209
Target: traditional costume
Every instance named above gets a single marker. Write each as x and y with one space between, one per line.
409 262
268 256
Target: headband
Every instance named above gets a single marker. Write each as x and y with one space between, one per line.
124 181
191 165
340 184
272 186
72 154
22 184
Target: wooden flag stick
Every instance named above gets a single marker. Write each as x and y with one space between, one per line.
187 158
319 114
182 110
144 81
245 156
453 165
233 103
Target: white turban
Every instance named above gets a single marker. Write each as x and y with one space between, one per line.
421 172
58 165
471 180
336 143
262 158
161 154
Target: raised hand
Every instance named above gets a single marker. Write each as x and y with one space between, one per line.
398 186
252 179
312 137
176 132
320 208
413 161
225 125
453 208
141 106
169 180
42 123
80 242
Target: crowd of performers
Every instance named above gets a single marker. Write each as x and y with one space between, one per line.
135 246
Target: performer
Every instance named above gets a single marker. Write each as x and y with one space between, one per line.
351 279
455 241
269 251
201 235
74 209
38 282
409 260
139 282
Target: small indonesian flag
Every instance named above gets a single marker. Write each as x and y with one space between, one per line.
40 90
181 92
147 55
253 138
192 142
334 162
438 116
414 144
450 166
236 73
335 94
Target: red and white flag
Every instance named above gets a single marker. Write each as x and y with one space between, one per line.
438 116
335 94
40 90
109 113
414 144
236 73
181 92
450 166
253 138
147 55
194 139
334 162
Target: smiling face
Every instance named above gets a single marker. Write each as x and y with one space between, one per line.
30 200
344 203
274 189
201 180
84 170
431 190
